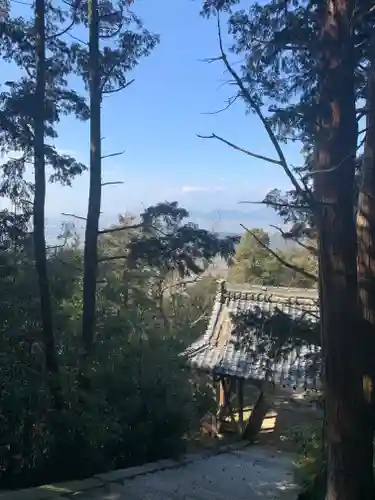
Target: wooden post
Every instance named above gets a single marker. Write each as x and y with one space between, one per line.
240 384
222 393
221 401
254 424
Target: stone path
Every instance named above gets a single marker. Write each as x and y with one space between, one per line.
247 474
251 473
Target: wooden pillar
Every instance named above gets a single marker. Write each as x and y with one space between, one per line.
240 384
254 424
222 398
221 401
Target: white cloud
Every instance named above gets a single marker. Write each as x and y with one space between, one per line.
200 189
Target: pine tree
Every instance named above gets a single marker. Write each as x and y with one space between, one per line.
117 41
306 59
29 112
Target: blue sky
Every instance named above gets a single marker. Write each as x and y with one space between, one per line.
156 121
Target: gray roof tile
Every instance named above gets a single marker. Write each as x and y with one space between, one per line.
219 350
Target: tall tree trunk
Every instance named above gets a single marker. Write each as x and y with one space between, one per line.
366 233
348 433
51 358
93 213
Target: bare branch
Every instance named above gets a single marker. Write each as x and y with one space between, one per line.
275 204
342 162
78 39
210 60
305 180
238 148
361 112
216 223
225 82
112 183
111 155
179 283
278 257
73 215
113 257
115 229
55 247
231 101
114 91
64 31
247 96
286 236
22 3
363 140
199 319
59 245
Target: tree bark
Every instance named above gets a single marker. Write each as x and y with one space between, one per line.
93 213
51 359
366 233
348 433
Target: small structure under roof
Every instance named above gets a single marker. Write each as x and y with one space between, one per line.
236 348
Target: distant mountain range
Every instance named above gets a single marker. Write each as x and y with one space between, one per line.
230 220
223 221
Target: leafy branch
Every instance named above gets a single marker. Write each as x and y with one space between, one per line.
278 257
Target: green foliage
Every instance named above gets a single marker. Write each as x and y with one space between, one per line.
144 402
310 470
152 297
17 102
123 43
141 403
168 244
140 411
254 263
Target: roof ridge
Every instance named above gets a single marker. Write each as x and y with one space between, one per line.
281 292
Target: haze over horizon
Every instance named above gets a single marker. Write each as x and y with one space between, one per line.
219 220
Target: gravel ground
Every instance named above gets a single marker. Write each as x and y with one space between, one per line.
248 474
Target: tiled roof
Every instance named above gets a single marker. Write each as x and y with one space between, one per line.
261 357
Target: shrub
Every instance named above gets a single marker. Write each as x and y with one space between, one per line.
310 471
141 408
152 400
